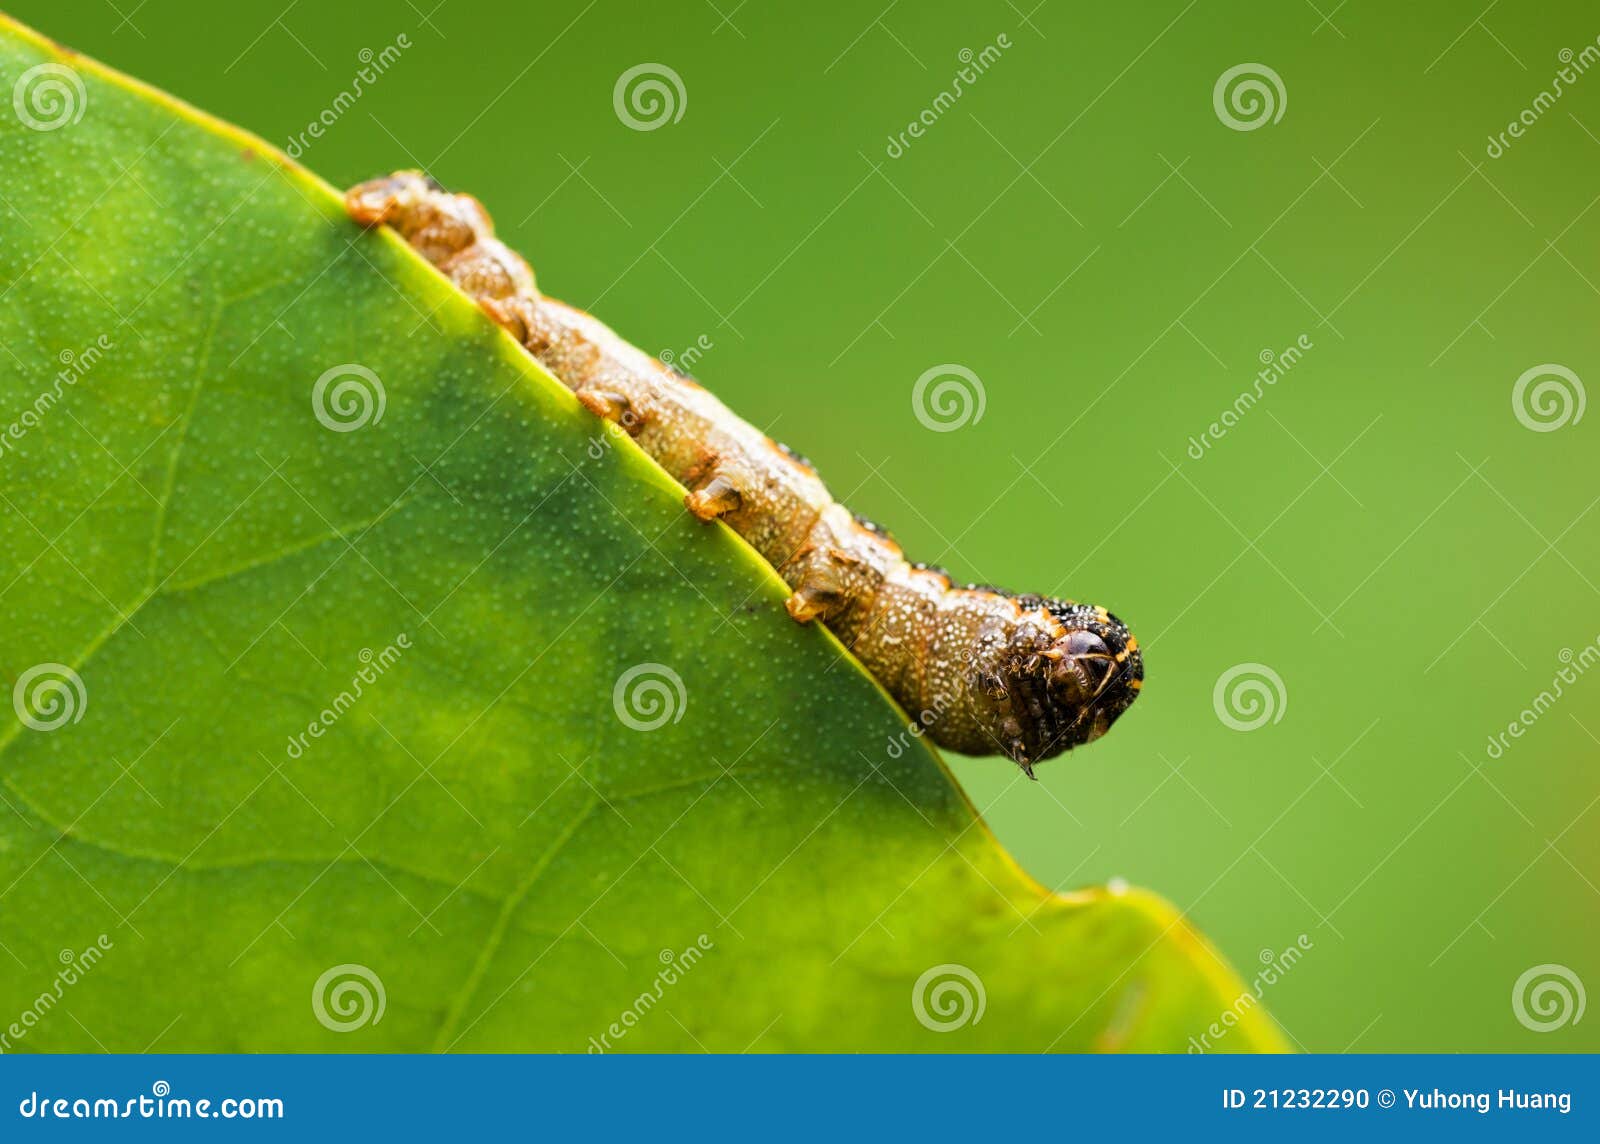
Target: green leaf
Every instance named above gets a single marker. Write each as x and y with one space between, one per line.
463 586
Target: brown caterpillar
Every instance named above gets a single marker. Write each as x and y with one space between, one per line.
985 671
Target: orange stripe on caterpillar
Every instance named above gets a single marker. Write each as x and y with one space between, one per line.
983 671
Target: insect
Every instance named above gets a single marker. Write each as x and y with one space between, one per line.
982 670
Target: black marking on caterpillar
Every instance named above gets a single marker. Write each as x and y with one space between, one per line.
982 670
800 459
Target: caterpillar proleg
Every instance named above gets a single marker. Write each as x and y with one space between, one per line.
983 671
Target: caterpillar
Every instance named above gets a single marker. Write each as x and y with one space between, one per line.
985 671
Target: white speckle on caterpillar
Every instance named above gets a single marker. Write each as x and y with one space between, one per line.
982 670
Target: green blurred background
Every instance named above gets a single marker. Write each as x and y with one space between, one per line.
1083 231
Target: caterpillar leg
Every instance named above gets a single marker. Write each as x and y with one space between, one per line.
608 405
717 497
510 314
820 592
814 601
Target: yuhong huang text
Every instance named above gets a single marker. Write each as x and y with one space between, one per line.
1483 1102
1421 1100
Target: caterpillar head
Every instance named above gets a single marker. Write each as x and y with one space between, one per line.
1050 699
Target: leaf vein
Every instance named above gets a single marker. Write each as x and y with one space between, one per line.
480 968
202 360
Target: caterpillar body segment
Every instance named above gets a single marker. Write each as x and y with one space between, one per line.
983 671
